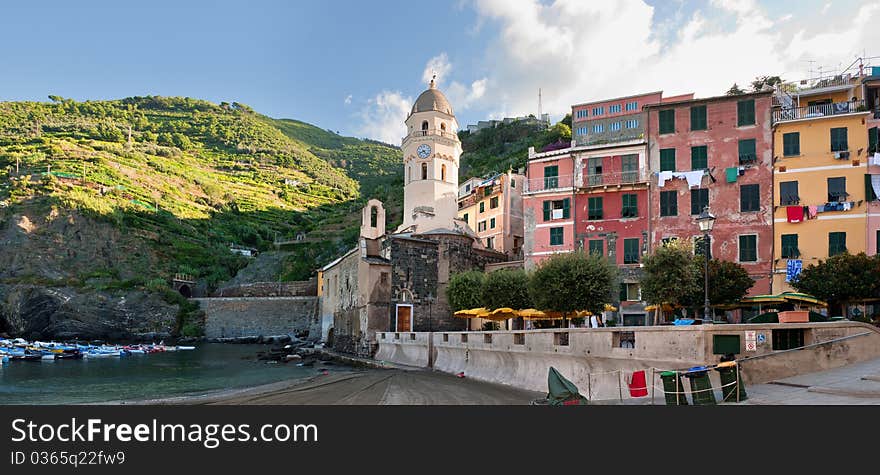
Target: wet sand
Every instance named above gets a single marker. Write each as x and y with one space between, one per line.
366 387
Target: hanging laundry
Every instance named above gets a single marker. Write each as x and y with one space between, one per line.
795 214
847 206
694 178
637 384
875 181
742 171
820 209
806 213
793 269
731 174
812 211
662 178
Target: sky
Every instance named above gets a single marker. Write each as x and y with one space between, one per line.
356 67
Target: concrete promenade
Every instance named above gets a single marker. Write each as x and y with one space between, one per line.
855 384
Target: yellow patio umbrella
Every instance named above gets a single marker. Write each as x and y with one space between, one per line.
610 308
499 314
470 313
666 307
531 313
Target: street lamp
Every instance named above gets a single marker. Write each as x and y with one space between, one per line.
706 221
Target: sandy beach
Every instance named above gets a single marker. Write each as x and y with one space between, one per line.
363 387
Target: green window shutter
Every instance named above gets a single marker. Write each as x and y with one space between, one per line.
551 174
791 144
630 207
748 248
836 243
749 196
482 206
492 223
874 140
699 157
747 151
790 246
839 139
566 208
699 200
667 159
597 247
631 251
556 236
594 210
668 203
547 210
667 121
869 189
745 112
698 118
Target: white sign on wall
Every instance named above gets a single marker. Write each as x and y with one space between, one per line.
751 341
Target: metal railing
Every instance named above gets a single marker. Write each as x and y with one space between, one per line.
615 178
429 132
548 183
818 110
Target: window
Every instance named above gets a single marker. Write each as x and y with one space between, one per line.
594 206
747 153
790 246
667 121
668 203
374 216
748 248
870 195
490 242
556 236
631 292
703 244
424 171
598 128
698 118
745 112
513 183
700 157
699 200
791 144
598 110
836 243
837 189
558 209
424 125
838 140
487 191
631 106
519 338
873 139
594 171
443 172
788 193
667 159
748 198
630 206
582 113
631 251
481 226
551 176
613 108
788 339
465 218
482 206
629 165
492 223
597 247
493 202
631 123
614 126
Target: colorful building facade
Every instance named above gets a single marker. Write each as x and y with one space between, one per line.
715 152
492 208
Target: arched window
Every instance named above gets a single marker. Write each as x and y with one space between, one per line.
442 125
374 216
443 172
424 171
424 125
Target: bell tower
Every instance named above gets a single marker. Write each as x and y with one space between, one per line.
431 152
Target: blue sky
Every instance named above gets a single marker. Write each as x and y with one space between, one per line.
356 66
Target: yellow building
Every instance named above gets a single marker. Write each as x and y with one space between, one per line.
822 185
492 208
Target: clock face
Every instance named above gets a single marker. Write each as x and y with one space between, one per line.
424 150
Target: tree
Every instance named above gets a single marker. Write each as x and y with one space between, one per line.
465 290
734 90
567 120
841 279
762 82
670 276
729 282
506 288
573 281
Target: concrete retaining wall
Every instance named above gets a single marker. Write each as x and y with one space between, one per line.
249 316
598 361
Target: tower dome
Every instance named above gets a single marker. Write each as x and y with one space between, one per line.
432 100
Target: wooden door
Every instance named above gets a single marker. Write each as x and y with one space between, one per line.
404 312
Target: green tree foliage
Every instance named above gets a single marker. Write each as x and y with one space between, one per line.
670 275
729 282
734 90
573 281
506 288
842 279
505 146
465 290
762 82
567 121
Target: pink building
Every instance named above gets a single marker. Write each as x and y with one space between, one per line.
549 228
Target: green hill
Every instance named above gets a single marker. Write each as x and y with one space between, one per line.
187 178
505 146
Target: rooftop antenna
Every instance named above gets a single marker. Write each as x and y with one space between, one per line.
540 105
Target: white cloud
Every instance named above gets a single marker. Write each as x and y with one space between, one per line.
348 99
382 118
438 65
825 8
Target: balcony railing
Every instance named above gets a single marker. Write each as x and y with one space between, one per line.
615 178
548 183
819 110
429 132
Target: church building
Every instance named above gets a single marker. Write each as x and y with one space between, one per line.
397 281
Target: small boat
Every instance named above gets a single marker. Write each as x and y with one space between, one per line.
4 360
186 348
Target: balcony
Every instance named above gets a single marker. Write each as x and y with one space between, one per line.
819 110
534 185
615 178
432 132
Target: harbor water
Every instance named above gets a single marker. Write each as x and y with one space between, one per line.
210 367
